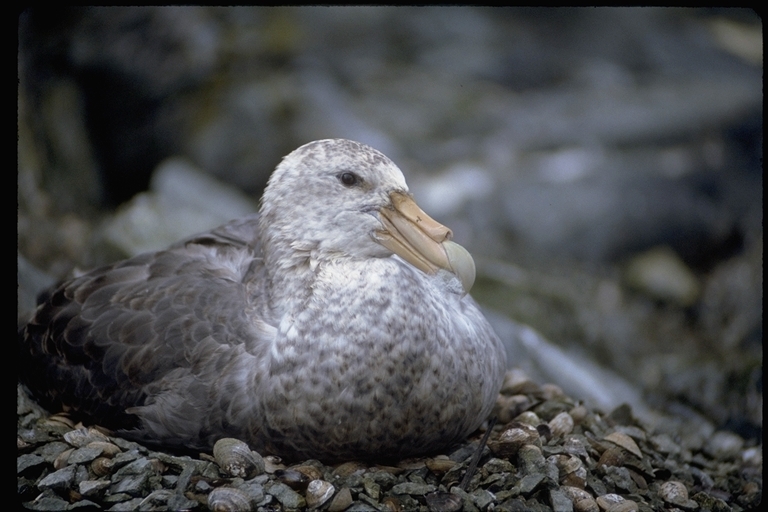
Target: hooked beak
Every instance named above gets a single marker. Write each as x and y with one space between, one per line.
422 241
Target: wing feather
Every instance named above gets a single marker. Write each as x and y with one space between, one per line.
109 342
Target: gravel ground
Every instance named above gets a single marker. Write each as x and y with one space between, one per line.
545 452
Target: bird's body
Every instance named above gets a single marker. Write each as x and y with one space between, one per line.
297 330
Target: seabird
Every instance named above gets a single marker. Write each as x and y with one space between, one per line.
334 324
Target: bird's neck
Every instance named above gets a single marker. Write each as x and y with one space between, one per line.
289 273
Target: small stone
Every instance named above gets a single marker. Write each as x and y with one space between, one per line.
50 451
47 502
724 445
413 489
531 460
132 484
59 480
289 498
482 498
530 482
620 477
82 436
341 501
84 454
467 504
93 487
137 467
711 503
559 501
362 507
661 274
665 444
27 461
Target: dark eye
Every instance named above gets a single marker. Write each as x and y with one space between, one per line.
349 179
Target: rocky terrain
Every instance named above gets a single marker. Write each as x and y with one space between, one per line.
546 452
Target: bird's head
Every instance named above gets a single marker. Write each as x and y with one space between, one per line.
339 198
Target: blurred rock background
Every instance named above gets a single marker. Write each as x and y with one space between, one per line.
604 166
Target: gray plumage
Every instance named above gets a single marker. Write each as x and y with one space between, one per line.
296 330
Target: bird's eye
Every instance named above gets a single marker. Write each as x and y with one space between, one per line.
349 179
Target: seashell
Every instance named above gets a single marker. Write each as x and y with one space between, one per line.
571 470
237 459
581 499
21 444
440 466
568 464
626 442
296 480
348 468
392 470
516 382
272 463
229 499
552 392
391 504
440 501
102 466
59 420
506 407
311 472
318 492
578 413
611 457
107 449
586 505
616 503
528 418
61 460
624 506
411 464
675 493
371 488
561 424
511 440
576 479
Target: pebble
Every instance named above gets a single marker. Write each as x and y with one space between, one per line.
60 479
724 445
289 498
590 467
